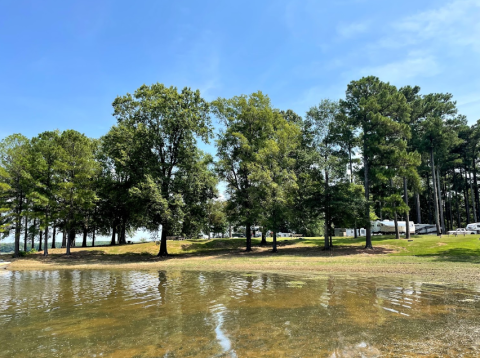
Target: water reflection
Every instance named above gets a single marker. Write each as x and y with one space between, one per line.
205 314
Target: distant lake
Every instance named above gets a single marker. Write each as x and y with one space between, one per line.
120 313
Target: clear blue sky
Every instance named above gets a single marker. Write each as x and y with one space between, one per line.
63 62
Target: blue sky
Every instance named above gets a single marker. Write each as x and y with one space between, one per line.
62 63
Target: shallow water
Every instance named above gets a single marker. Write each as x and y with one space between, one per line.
230 314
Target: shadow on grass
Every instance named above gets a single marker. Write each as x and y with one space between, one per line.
456 255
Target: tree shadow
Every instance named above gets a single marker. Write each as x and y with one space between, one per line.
459 254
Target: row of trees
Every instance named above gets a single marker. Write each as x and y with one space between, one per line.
371 154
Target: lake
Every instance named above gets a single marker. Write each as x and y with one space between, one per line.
120 313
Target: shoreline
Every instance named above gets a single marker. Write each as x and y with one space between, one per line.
368 265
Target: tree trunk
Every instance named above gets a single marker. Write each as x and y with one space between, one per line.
264 236
395 220
458 209
85 234
123 239
440 203
475 219
419 213
25 234
381 208
274 247
93 236
33 233
163 242
114 232
64 236
475 183
435 197
54 245
407 214
368 232
45 248
18 223
429 202
465 195
41 236
249 237
327 218
70 240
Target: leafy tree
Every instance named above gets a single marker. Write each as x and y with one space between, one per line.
170 122
250 125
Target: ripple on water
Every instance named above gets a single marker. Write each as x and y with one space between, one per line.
174 313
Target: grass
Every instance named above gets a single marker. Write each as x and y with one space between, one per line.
424 255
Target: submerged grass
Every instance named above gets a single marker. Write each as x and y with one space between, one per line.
424 255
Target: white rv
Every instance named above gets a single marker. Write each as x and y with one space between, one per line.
474 227
425 229
388 227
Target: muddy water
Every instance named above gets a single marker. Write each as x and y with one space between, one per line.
206 314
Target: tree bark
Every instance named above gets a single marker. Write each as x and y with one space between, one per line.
407 214
33 233
114 232
64 236
477 198
475 218
45 248
85 234
274 247
419 213
122 240
440 203
70 240
18 223
327 218
163 242
435 197
368 232
93 236
395 220
264 236
41 236
248 234
465 195
25 234
54 246
458 209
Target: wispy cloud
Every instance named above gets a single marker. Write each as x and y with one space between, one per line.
415 65
455 24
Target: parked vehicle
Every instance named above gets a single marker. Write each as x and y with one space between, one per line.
388 227
461 231
474 227
202 236
425 229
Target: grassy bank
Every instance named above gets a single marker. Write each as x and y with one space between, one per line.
455 258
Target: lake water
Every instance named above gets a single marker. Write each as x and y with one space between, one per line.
229 314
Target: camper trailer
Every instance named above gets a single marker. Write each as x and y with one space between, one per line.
474 227
388 227
425 229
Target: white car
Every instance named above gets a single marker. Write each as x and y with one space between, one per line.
461 231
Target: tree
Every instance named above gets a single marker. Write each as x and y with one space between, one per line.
46 150
77 167
273 174
377 110
250 123
170 122
16 183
